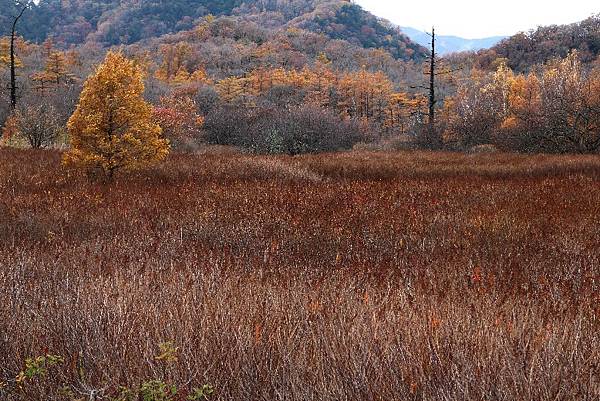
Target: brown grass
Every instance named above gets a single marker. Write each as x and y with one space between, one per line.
357 276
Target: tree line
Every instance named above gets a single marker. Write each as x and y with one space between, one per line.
555 109
314 106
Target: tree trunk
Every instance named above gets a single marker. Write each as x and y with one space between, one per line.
429 136
13 75
432 100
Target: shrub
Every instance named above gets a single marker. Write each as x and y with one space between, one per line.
40 373
179 120
285 96
4 110
228 125
39 124
305 129
206 99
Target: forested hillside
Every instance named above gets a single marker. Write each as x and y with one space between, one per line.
302 76
249 63
342 20
543 44
111 22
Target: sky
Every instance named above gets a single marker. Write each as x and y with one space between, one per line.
477 19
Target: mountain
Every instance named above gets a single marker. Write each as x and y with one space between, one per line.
347 21
527 49
115 22
451 44
111 21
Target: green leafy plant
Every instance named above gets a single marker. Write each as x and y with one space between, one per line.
157 390
126 394
202 393
38 367
168 352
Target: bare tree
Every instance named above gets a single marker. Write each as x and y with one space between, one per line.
13 75
430 137
432 99
40 124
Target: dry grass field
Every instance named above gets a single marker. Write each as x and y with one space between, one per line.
353 276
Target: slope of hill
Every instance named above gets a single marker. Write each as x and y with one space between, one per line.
109 21
451 44
527 49
343 20
113 22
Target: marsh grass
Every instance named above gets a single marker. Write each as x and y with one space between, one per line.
354 276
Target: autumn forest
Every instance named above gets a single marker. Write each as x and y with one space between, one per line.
292 200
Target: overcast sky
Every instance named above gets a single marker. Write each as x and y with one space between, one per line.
475 19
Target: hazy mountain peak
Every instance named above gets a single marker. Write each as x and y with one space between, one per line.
451 44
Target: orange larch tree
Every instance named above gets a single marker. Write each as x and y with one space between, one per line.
112 127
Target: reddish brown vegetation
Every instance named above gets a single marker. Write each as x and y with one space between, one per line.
408 276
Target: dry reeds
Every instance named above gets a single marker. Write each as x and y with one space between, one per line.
358 276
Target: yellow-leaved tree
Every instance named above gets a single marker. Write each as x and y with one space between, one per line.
112 127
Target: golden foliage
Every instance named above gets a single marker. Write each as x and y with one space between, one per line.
55 73
364 95
182 76
112 127
56 67
555 108
199 76
174 57
10 130
403 110
230 89
5 54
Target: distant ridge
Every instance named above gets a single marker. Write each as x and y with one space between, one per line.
451 44
118 22
538 46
